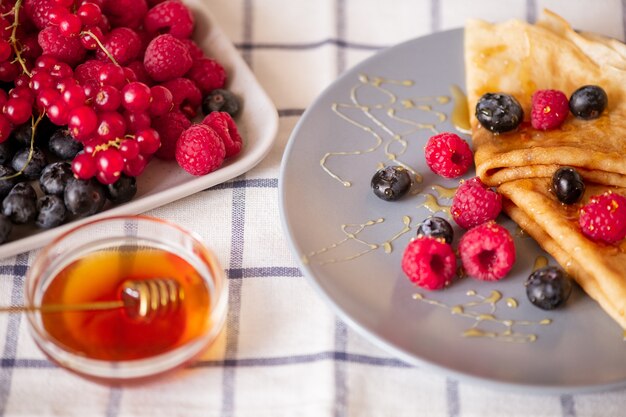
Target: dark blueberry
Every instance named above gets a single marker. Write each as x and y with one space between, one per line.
23 133
568 185
6 183
63 145
21 204
588 102
436 227
499 112
7 150
122 190
220 100
31 168
5 228
84 198
55 177
391 183
51 211
548 287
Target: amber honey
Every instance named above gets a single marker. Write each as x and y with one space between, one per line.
115 335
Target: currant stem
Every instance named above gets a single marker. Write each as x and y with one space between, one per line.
13 39
100 45
33 123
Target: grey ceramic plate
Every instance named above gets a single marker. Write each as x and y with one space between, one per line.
350 243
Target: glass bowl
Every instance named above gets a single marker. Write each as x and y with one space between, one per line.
127 298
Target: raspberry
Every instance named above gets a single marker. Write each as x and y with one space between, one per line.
167 58
38 11
140 72
194 49
448 155
171 17
208 74
123 43
88 70
170 127
126 13
487 252
474 204
549 109
225 127
604 218
69 50
199 150
186 96
429 263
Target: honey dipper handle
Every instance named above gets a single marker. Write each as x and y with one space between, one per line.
58 308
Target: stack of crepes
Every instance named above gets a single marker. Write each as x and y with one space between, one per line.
518 58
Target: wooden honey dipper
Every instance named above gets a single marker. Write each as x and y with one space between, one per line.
142 300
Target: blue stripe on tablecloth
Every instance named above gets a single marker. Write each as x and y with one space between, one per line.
531 11
247 183
263 272
13 327
568 407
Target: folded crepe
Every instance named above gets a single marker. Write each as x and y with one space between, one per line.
518 58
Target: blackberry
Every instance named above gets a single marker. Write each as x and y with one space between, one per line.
5 228
568 186
548 287
63 145
84 198
20 205
391 183
122 190
55 177
7 150
588 102
499 112
7 183
51 211
436 227
220 100
30 169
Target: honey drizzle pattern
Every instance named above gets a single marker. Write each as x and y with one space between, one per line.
434 204
396 144
471 310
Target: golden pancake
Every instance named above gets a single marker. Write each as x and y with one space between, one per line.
597 267
519 58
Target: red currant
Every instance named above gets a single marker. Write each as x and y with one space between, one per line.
134 167
137 121
89 13
84 166
57 112
111 125
17 110
5 50
88 40
108 98
9 71
41 80
70 25
111 74
82 122
110 164
162 100
129 148
46 62
46 97
74 96
5 128
136 97
149 141
61 70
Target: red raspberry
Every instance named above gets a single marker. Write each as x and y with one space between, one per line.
167 58
225 127
474 204
199 150
208 74
171 17
448 155
194 49
66 49
38 10
487 252
186 96
169 127
140 72
429 263
123 43
549 109
603 218
88 70
126 13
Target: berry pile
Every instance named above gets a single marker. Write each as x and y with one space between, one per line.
90 92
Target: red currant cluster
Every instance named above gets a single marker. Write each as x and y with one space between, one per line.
99 68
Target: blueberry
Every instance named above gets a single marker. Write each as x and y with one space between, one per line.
20 205
51 211
391 183
23 133
588 102
436 227
7 150
5 228
548 287
31 168
55 177
6 183
220 100
499 112
84 198
63 145
568 185
122 190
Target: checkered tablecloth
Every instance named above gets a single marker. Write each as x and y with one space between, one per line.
284 353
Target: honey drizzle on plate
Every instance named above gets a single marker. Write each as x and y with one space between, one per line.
470 310
391 106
